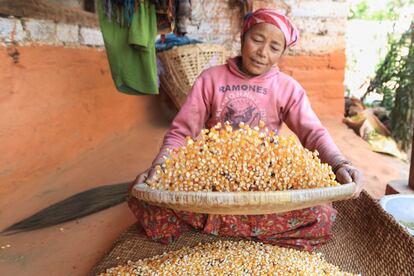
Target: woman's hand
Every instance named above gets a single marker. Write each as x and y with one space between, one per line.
144 177
347 173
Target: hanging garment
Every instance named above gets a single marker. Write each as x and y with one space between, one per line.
182 15
120 10
130 45
165 15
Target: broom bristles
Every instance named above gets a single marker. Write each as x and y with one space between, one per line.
74 207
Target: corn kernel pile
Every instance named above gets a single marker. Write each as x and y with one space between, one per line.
231 258
247 159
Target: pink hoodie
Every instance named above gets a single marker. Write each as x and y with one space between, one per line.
224 93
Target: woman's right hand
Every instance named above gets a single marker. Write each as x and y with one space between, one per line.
146 176
143 177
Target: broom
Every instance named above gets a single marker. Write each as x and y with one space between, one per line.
74 207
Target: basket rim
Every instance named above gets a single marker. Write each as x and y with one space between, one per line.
197 45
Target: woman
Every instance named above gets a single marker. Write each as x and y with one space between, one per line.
247 89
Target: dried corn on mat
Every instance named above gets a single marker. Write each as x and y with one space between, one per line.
231 258
388 251
247 159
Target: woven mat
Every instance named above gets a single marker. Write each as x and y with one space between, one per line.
367 240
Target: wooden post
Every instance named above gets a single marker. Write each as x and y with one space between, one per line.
411 177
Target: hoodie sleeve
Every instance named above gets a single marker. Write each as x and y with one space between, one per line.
189 121
302 120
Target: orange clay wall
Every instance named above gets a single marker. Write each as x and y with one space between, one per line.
59 103
322 76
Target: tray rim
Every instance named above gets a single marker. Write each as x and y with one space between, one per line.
281 201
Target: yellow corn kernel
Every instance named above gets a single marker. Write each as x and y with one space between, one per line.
230 258
223 159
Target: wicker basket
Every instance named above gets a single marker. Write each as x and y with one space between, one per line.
182 65
366 240
243 203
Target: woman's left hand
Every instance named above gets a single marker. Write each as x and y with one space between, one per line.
348 173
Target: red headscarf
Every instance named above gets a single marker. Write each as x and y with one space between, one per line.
273 17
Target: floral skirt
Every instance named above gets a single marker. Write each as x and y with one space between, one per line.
301 229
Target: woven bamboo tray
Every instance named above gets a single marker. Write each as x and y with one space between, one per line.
366 240
242 203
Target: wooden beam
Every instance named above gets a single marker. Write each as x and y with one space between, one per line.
411 177
90 5
42 9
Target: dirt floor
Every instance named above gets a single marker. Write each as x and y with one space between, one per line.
73 248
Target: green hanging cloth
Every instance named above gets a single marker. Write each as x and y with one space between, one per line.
131 50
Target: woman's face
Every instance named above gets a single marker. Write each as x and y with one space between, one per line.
262 47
